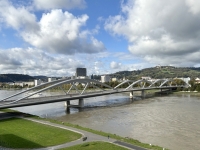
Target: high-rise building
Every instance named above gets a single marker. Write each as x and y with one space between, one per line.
81 72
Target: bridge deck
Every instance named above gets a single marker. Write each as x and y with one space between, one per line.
53 99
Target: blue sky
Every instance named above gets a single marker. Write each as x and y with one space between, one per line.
53 38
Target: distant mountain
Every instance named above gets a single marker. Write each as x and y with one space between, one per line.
15 77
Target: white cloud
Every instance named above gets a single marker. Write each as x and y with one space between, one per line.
166 32
60 32
36 62
17 18
56 31
57 4
194 6
115 65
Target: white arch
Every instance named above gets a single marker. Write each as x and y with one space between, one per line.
139 81
61 83
166 81
126 81
156 81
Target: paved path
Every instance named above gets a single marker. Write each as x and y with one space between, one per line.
90 136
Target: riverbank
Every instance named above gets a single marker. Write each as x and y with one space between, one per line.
188 92
103 134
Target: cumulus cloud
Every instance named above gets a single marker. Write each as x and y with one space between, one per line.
60 32
17 18
56 4
56 31
167 32
115 65
36 62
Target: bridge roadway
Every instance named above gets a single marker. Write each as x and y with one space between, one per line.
69 97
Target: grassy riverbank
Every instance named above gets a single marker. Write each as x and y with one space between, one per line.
114 136
96 146
195 93
33 135
21 133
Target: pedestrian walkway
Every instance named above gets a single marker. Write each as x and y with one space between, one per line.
91 137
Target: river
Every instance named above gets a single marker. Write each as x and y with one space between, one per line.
171 121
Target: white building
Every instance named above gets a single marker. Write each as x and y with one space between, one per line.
186 80
37 82
146 78
19 83
105 78
73 77
24 83
82 77
50 79
197 80
114 79
29 83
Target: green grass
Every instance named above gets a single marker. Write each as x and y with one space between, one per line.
20 133
114 136
96 146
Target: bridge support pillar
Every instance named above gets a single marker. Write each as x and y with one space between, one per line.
67 103
131 94
143 93
81 102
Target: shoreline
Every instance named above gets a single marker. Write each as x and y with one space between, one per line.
14 113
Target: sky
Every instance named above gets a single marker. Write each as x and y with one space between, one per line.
54 37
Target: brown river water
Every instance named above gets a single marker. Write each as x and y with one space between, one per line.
171 121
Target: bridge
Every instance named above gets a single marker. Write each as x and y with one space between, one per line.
90 88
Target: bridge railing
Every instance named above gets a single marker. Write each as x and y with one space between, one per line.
89 82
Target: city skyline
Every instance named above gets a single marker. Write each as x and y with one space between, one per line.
55 37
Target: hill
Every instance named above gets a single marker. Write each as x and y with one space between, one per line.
160 72
15 77
43 78
154 72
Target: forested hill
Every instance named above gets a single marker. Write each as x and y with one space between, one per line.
15 77
160 72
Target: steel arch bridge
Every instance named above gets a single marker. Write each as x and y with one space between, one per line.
99 89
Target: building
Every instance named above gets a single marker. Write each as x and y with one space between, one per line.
146 78
82 77
37 82
81 72
114 79
73 77
105 78
197 80
29 83
186 80
50 79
